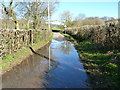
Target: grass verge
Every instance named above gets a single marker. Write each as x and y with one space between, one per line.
101 64
68 36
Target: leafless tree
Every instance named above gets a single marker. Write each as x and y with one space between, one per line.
10 13
66 18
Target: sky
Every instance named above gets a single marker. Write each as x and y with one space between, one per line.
90 9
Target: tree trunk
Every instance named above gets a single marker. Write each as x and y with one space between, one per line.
16 24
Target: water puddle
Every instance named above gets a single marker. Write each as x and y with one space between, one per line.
66 69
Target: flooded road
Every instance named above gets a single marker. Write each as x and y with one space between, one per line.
66 69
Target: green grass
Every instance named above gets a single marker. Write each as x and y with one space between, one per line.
2 65
9 58
68 36
55 28
100 65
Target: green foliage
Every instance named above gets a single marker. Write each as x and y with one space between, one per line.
110 66
2 65
27 27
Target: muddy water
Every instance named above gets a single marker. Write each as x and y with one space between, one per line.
29 74
66 69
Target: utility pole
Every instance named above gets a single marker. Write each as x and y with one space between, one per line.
48 14
49 28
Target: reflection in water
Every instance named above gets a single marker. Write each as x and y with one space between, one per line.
70 72
66 47
66 69
29 73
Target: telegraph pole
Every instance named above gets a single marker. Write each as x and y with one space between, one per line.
48 14
49 28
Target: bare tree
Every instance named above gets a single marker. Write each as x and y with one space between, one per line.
10 13
66 18
33 13
80 16
36 12
106 18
